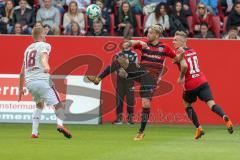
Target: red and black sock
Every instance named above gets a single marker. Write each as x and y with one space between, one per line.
192 116
145 116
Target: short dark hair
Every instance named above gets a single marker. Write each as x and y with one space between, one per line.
46 25
204 24
98 20
233 28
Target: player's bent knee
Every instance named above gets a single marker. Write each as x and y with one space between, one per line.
59 105
187 104
210 103
146 103
124 62
40 105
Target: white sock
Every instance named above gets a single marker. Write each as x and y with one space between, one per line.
36 119
60 116
59 122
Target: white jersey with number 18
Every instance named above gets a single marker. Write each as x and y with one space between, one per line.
32 61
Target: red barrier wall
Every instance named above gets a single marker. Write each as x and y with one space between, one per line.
218 59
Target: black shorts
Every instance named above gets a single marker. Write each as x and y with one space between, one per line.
203 92
148 82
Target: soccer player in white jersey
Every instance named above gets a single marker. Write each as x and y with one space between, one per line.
35 70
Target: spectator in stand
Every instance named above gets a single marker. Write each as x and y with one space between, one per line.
73 15
6 16
82 4
56 3
212 6
49 15
24 16
150 5
233 33
136 6
178 20
105 17
126 21
147 2
17 30
38 24
159 16
75 29
186 6
108 5
202 15
227 6
30 4
204 31
234 17
97 29
48 30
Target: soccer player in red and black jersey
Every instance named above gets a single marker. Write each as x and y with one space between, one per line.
153 55
196 85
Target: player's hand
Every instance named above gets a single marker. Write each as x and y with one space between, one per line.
122 73
186 7
21 93
229 8
197 27
181 80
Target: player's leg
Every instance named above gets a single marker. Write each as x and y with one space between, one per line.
115 65
205 95
148 85
146 105
60 115
36 117
51 98
130 101
120 93
34 88
190 97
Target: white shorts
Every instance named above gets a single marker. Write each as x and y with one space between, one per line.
43 91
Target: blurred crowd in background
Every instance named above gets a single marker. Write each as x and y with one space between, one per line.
128 18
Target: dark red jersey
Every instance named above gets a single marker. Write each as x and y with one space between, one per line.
193 77
153 58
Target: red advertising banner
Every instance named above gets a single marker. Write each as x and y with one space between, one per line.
218 59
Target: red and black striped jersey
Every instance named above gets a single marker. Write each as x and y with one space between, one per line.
153 58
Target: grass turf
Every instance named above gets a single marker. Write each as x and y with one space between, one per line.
111 142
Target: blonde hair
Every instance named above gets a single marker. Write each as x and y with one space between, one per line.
181 33
157 28
9 12
36 32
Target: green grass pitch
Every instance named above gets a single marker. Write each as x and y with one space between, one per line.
111 142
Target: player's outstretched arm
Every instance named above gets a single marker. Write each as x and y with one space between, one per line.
44 61
131 43
183 70
21 80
